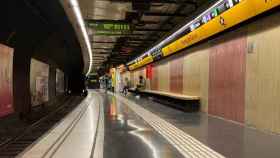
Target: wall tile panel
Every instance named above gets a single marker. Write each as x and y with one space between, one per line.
176 75
227 77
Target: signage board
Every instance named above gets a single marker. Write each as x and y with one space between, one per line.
109 27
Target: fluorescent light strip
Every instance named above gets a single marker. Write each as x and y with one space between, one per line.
179 31
84 42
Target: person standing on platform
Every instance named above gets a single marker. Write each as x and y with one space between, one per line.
126 86
140 86
142 83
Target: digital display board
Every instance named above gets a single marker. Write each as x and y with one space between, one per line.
109 27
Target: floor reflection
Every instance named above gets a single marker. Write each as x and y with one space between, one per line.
127 135
138 132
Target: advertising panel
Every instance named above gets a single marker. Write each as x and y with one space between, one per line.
39 82
6 80
59 81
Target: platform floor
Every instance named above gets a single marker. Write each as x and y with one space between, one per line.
114 126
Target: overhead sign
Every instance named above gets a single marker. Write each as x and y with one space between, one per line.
141 63
109 27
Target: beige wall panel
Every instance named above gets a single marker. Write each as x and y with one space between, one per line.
196 74
125 75
132 74
163 75
143 72
263 74
128 75
136 76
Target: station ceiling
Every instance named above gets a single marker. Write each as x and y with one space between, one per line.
149 21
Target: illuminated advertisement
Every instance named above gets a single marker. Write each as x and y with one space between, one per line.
59 81
39 82
6 80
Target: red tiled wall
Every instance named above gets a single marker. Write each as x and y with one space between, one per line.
154 80
176 75
227 79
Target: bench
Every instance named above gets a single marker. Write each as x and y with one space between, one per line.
181 101
132 90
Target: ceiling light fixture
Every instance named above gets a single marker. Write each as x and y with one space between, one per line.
73 11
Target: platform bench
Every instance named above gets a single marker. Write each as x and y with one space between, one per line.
181 101
132 90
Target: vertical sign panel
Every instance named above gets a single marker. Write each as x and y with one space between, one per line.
6 80
227 79
39 80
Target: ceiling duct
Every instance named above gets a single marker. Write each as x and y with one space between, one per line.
141 5
132 17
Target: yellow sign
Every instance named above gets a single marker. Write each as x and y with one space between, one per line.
141 63
245 10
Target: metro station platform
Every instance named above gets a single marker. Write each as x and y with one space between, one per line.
107 125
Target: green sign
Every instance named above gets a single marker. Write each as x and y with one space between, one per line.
109 27
101 25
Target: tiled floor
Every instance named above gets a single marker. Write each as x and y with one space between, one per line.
230 139
113 126
128 136
73 137
182 141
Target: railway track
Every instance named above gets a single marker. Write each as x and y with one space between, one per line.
12 147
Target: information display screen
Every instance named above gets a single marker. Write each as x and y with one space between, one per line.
109 27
